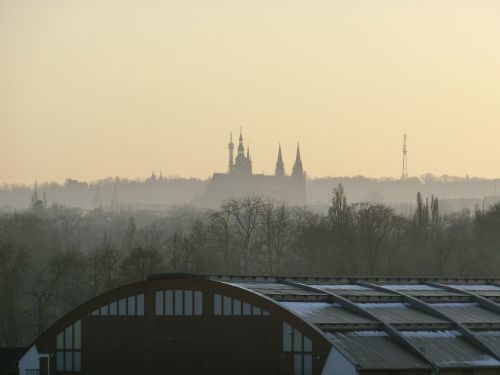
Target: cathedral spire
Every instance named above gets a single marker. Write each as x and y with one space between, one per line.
249 159
230 146
298 170
280 167
297 157
241 148
242 164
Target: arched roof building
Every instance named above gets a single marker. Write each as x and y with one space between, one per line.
189 324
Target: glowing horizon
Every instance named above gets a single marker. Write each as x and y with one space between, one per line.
100 88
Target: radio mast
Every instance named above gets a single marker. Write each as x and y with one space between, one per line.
404 175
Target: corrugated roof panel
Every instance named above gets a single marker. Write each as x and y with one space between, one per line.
484 290
450 349
401 313
276 288
492 338
341 286
375 350
352 290
434 293
406 287
420 290
467 312
474 287
325 313
486 293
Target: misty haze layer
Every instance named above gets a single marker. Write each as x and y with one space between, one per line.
160 194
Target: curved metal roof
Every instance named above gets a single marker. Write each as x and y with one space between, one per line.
377 323
395 323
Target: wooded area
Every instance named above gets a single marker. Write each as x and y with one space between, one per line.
54 258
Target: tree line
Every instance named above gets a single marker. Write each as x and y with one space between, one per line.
54 258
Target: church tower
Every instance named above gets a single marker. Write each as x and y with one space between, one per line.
249 159
280 167
240 181
230 146
298 170
242 164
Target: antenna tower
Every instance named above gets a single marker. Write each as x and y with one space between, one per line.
404 175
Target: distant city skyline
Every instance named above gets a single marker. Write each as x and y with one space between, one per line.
95 89
240 179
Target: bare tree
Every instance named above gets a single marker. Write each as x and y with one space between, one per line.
339 211
374 224
48 281
104 263
13 264
129 236
180 250
245 214
140 263
221 239
235 232
277 235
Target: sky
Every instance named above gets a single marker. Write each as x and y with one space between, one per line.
97 88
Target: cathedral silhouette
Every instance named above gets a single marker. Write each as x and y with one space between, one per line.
240 181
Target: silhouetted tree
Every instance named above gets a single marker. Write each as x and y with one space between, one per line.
13 264
129 236
49 279
53 259
140 263
104 263
37 205
374 234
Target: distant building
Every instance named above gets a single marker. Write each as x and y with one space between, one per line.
240 181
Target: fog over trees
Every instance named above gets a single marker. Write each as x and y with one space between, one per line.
52 257
160 193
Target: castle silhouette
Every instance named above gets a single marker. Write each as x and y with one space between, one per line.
240 181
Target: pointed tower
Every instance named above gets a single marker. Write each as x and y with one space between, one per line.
298 179
242 165
230 147
279 171
241 148
249 159
298 170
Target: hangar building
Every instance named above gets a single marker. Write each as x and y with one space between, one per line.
191 324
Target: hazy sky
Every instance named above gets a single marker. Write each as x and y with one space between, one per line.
98 88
